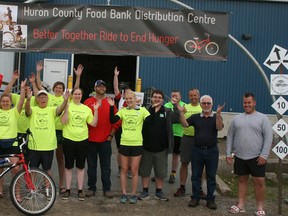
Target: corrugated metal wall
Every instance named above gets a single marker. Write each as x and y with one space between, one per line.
224 81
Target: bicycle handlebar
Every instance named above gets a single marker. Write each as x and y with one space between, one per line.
25 141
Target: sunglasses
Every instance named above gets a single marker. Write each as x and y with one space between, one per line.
206 103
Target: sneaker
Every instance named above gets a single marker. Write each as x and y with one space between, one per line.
180 192
161 196
47 195
108 194
211 204
81 196
133 199
202 195
66 195
193 203
129 175
123 198
172 178
90 193
118 173
144 196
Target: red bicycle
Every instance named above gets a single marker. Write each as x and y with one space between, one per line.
32 191
211 47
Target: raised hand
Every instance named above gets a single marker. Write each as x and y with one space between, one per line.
111 101
15 75
97 105
180 108
32 78
220 108
39 66
116 72
66 95
79 70
28 93
23 84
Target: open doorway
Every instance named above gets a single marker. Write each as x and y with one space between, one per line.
102 67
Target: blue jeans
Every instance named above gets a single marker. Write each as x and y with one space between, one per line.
103 151
207 158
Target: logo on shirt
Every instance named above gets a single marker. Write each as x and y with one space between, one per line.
77 118
4 118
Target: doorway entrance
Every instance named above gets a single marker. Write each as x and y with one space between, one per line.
102 67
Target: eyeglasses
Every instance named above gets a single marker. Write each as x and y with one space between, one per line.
206 103
157 97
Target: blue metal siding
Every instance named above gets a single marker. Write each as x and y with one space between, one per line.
139 3
224 81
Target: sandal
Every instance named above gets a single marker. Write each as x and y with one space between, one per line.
62 190
260 213
235 210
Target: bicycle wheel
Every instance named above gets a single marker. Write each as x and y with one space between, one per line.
190 46
212 48
29 201
8 39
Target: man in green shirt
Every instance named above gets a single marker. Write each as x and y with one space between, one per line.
177 132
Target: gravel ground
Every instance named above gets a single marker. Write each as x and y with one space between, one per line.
101 206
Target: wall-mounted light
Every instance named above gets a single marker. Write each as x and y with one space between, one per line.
246 36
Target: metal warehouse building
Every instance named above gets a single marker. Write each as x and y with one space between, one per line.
257 25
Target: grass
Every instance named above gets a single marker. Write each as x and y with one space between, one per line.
271 187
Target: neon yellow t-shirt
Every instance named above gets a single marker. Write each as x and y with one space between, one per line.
78 117
55 101
42 126
132 123
189 131
8 119
23 120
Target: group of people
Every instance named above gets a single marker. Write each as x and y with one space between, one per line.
79 131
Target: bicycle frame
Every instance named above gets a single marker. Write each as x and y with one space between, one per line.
22 162
32 190
211 48
202 43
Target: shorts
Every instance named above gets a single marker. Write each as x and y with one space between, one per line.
177 143
130 150
43 158
156 160
75 151
11 150
6 147
187 143
246 167
60 138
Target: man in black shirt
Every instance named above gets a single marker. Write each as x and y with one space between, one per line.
157 142
205 151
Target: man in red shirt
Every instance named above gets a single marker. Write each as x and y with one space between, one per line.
100 142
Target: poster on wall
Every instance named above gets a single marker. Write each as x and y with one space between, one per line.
116 30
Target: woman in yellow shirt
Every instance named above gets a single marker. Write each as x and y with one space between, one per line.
8 129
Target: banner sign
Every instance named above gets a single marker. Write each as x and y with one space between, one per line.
114 30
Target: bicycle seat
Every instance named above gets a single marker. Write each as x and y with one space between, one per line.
196 38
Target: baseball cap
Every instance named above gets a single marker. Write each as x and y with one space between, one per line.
42 92
100 82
